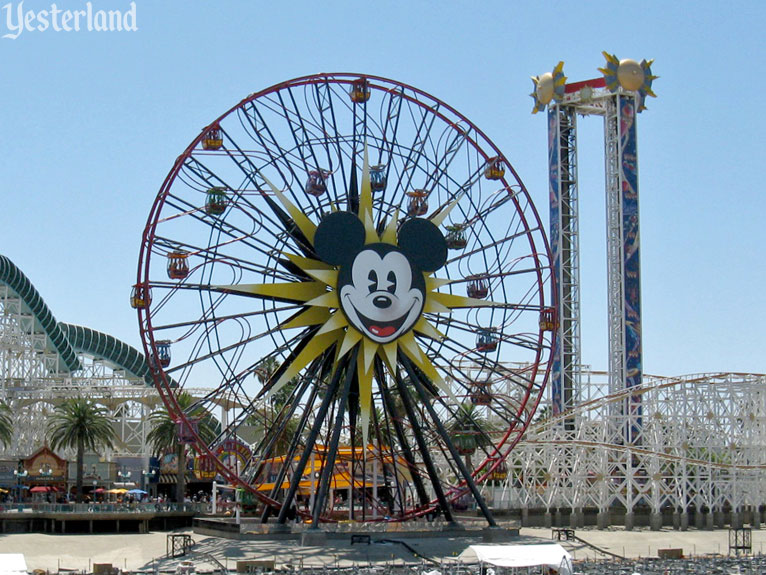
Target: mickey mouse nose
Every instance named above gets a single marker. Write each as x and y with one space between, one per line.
381 301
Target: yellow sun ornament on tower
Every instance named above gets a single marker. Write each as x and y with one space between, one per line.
630 76
549 86
367 292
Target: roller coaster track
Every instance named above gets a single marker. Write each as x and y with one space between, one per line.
651 384
68 340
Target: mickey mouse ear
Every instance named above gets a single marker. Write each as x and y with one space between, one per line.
423 244
339 237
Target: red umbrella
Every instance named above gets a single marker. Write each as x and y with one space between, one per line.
42 489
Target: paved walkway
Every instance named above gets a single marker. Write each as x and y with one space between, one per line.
133 551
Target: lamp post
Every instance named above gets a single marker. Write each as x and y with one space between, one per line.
20 474
149 480
124 476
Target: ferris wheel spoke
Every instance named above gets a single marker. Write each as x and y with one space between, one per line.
233 234
416 151
266 449
264 137
444 159
329 125
203 175
297 125
217 352
283 223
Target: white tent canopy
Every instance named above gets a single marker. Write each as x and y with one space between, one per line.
546 555
13 564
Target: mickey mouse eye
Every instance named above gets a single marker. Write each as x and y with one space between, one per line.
391 277
373 279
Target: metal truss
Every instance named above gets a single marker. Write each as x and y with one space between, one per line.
614 243
622 241
31 384
701 449
567 246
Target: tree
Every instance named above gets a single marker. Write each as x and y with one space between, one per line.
164 435
6 424
78 423
469 431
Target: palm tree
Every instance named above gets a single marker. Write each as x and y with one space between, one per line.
80 424
6 424
469 431
164 435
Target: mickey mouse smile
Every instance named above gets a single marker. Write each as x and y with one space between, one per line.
378 328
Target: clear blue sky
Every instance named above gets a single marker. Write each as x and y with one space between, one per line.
92 122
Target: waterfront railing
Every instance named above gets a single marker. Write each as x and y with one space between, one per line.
53 508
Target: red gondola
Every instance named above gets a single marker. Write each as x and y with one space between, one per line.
548 319
477 286
178 265
316 185
359 91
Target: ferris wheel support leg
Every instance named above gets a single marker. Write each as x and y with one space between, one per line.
418 432
401 437
292 448
329 465
310 448
445 436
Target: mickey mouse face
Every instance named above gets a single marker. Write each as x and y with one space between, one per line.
380 293
381 287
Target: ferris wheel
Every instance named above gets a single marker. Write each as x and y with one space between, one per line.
359 278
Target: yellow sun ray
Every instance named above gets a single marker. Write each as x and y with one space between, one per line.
369 349
310 316
365 399
336 321
412 350
313 349
423 326
370 235
433 306
298 291
351 339
389 233
365 198
388 355
329 277
307 263
438 218
433 284
304 224
327 299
